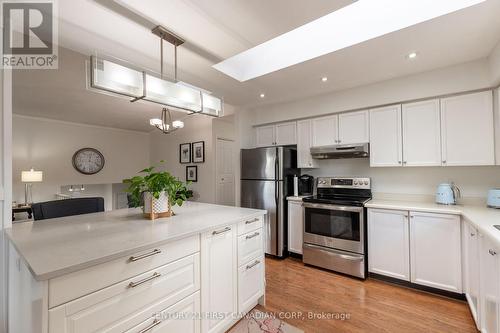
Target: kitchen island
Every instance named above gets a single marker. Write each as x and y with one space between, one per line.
118 272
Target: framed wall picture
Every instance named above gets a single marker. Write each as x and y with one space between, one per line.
192 173
199 152
185 153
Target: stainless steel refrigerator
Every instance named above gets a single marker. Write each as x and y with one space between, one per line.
266 181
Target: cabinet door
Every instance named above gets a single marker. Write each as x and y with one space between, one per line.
385 137
286 134
435 251
250 284
467 129
218 277
388 243
421 134
490 277
295 226
471 269
325 131
354 127
265 136
304 143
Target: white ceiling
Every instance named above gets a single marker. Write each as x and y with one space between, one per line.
217 29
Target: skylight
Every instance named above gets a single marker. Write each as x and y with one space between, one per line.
348 26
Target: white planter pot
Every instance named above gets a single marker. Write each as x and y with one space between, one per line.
156 207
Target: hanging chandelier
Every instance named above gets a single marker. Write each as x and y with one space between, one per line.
117 77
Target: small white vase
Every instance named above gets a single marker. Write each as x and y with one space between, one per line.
154 208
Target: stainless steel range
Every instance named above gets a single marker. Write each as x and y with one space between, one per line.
335 225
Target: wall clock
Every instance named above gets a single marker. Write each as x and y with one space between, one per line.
88 161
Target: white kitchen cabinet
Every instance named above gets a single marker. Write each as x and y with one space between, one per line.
421 133
276 135
325 131
470 269
250 284
286 134
354 127
388 243
295 226
219 283
304 144
265 136
489 286
385 137
435 251
467 129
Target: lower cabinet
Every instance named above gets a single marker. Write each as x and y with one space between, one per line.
470 269
250 284
219 278
388 243
426 250
490 284
295 226
435 251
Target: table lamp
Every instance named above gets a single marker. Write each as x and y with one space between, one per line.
29 177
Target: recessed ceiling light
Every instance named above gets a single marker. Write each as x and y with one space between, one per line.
336 31
412 55
324 79
262 95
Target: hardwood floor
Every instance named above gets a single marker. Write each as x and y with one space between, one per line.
372 305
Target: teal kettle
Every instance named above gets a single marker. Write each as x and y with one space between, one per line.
447 194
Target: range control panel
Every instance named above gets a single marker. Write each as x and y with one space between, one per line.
344 182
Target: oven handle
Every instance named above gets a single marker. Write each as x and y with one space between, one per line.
333 207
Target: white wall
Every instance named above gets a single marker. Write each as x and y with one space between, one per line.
469 76
473 181
494 63
49 146
166 147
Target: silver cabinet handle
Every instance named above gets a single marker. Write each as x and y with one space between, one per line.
138 283
252 221
145 255
492 252
472 234
399 162
252 236
406 216
253 265
444 162
404 162
155 323
218 232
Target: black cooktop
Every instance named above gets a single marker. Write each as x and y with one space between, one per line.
338 200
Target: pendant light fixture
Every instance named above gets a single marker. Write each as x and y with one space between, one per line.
117 77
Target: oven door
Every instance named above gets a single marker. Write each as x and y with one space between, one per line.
337 227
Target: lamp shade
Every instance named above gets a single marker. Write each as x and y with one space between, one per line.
31 176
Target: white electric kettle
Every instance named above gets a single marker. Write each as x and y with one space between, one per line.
447 194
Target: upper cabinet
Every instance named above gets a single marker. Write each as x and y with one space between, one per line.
421 134
304 143
385 137
354 127
277 135
344 128
467 129
325 131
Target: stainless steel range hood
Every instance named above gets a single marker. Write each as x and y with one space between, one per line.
357 150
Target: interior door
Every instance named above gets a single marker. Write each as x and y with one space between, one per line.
263 194
225 172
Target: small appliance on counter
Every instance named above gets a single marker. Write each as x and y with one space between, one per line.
494 198
306 185
447 194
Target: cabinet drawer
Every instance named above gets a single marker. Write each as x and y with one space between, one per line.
71 286
133 300
250 284
180 317
250 225
250 245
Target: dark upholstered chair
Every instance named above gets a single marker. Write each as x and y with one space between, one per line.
67 207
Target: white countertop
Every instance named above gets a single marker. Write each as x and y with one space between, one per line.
60 246
483 218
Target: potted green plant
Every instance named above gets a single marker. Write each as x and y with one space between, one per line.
156 192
